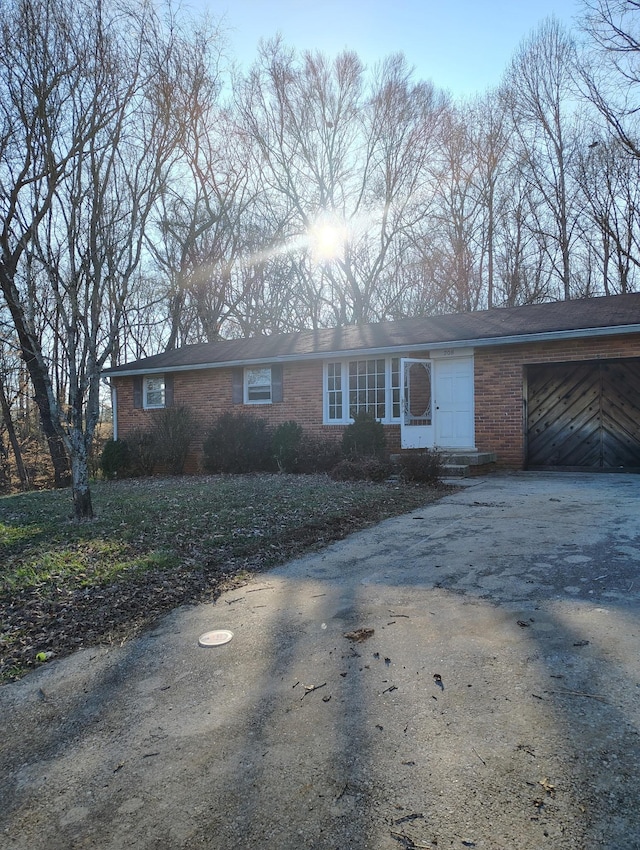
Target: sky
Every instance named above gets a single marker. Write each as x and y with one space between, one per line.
460 45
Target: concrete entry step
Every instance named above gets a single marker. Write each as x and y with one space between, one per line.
461 463
469 458
456 470
464 463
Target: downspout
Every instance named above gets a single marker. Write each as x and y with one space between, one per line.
114 410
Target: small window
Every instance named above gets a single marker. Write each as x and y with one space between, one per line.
154 391
257 386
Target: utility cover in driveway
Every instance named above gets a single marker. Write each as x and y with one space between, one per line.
584 415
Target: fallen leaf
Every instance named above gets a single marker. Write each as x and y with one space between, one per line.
548 787
359 635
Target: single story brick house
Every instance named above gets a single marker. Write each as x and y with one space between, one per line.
544 386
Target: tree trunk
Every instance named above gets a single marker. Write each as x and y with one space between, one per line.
82 505
34 361
13 439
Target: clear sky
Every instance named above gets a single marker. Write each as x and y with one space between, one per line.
461 45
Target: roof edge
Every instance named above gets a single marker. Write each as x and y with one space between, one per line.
513 339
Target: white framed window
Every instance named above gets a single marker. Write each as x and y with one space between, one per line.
257 386
353 386
153 391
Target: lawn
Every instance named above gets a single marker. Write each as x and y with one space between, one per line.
156 544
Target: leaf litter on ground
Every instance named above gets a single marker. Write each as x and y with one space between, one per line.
159 543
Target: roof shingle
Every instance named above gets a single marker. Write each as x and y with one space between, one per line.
498 326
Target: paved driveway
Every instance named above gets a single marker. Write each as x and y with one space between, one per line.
467 675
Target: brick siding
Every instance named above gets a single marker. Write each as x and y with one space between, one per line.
500 389
500 395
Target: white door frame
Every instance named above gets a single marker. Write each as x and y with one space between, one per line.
448 420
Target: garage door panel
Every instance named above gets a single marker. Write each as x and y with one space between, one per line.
584 415
621 415
563 415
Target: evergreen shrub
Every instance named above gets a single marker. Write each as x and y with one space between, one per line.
238 443
364 437
114 459
286 441
142 453
172 433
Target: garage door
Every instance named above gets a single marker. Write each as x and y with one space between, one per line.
584 415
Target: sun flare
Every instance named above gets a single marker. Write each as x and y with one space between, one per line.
327 241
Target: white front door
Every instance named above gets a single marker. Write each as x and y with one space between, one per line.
453 403
416 428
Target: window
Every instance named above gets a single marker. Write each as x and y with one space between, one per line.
367 387
395 388
154 391
352 386
257 384
334 391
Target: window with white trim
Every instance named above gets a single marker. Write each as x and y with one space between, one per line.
353 386
257 386
154 391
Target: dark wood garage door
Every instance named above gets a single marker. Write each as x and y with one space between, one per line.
584 415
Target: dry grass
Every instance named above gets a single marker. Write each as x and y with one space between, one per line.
159 543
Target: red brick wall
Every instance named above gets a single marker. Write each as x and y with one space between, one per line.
500 391
207 392
499 395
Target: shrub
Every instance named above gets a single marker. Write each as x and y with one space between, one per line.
285 446
172 433
237 443
421 468
361 469
114 459
318 454
142 453
364 437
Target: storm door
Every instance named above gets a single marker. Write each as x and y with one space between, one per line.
416 429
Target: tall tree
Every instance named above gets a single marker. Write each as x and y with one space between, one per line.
88 130
539 87
610 70
343 166
610 182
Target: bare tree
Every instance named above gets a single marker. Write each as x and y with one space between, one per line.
610 182
88 131
456 219
489 120
539 87
609 71
8 395
343 166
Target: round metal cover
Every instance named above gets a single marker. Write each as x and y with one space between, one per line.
215 638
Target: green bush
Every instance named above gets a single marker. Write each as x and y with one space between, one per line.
114 459
286 440
424 467
361 469
364 437
238 443
142 453
172 433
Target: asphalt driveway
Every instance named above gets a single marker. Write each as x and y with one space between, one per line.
467 675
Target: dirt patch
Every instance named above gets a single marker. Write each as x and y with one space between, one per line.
491 701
